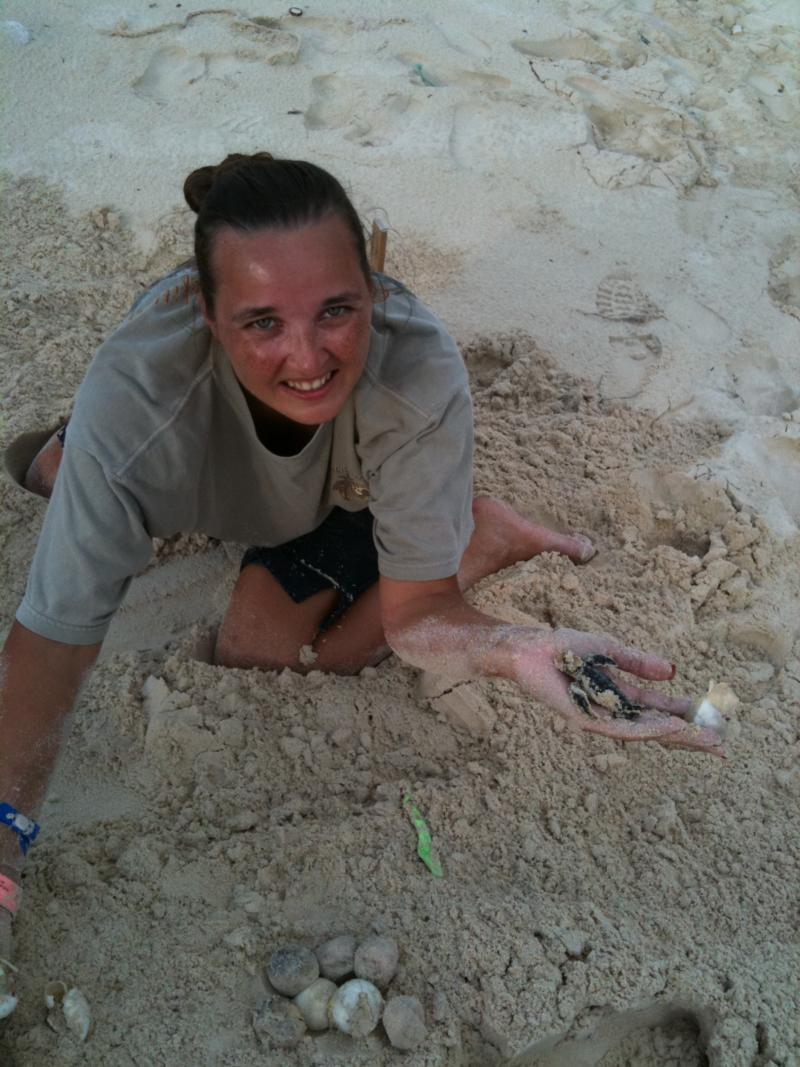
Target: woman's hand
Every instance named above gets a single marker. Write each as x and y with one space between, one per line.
663 720
6 971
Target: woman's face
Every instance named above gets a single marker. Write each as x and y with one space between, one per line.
292 311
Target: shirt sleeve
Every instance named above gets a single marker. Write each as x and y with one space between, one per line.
421 497
92 542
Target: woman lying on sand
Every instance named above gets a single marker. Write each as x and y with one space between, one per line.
274 391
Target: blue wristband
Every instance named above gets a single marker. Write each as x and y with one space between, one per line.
25 829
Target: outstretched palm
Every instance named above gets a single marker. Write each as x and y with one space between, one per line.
663 717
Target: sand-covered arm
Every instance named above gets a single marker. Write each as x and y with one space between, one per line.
431 626
39 682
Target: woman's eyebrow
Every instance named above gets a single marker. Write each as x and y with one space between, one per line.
268 311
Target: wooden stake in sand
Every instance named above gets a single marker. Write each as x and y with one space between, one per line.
377 245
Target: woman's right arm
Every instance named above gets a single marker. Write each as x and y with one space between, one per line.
39 682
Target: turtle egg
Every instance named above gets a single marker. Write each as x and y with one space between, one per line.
376 960
356 1007
292 969
336 957
404 1022
314 1001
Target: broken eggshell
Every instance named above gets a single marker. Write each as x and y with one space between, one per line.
8 1001
72 1005
356 1007
711 710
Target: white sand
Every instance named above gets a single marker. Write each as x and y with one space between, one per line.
602 203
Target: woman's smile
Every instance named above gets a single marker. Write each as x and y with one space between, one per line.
316 386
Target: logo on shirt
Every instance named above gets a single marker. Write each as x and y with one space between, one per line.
349 487
181 293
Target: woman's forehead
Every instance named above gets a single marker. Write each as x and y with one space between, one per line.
311 258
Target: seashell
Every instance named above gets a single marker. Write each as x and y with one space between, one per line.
77 1013
356 1007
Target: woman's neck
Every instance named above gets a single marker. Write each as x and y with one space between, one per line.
280 435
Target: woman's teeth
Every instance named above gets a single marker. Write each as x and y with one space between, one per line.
309 387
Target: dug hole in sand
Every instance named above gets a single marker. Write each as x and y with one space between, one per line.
605 223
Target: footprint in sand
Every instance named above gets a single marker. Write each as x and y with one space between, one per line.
169 73
584 48
771 640
362 110
784 277
277 46
664 145
435 75
620 1034
620 299
762 385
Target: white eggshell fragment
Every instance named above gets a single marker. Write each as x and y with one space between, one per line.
7 1004
705 714
404 1022
77 1013
376 960
710 710
314 1003
722 697
336 957
356 1007
54 993
292 969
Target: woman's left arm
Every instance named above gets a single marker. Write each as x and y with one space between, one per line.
431 626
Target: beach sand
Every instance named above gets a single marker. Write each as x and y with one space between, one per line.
601 201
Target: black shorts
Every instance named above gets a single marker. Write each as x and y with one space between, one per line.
340 554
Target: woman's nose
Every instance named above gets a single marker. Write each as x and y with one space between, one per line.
304 353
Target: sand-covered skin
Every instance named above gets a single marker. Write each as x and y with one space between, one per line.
602 205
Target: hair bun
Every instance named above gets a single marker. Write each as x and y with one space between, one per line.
198 184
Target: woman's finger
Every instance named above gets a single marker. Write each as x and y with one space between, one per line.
647 727
652 726
649 698
634 660
700 738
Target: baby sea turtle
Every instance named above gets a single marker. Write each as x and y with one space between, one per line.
590 685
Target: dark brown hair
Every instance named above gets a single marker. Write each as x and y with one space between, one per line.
258 192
